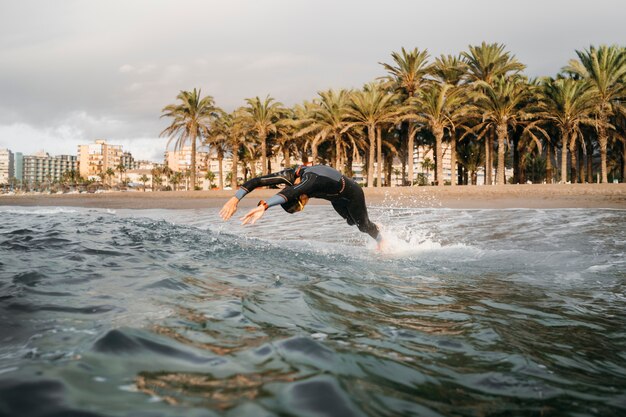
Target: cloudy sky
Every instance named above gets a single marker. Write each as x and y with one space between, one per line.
75 71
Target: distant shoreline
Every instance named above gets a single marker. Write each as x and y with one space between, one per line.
506 196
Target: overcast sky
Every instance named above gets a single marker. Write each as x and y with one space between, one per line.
75 71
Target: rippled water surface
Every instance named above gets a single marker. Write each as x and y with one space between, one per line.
175 313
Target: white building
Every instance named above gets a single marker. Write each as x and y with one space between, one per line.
6 166
42 167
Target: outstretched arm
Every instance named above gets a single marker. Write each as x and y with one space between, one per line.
283 177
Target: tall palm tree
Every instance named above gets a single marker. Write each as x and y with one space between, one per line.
192 118
144 179
175 179
121 169
326 119
406 76
451 69
262 117
486 63
110 173
286 142
440 107
219 142
369 108
566 103
605 68
500 104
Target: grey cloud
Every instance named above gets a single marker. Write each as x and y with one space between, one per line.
106 68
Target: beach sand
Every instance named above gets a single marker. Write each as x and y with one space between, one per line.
470 197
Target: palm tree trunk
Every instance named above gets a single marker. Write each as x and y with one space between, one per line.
348 166
549 176
263 153
379 156
220 160
409 150
388 168
287 156
371 133
487 162
564 140
501 133
574 161
337 151
193 158
623 160
438 133
314 153
453 170
233 169
603 141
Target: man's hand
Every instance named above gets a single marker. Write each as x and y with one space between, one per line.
253 215
229 208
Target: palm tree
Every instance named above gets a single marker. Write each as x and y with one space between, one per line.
191 120
428 164
605 68
406 76
286 141
110 173
326 120
262 117
500 104
471 157
210 175
566 103
175 179
144 179
158 181
370 108
486 63
439 107
121 169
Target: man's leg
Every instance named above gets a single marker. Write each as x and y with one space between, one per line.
358 211
341 207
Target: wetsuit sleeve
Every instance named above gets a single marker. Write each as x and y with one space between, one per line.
276 178
295 191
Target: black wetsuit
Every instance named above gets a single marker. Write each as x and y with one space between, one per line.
318 181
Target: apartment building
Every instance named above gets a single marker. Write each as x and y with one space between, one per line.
98 157
6 166
41 167
18 165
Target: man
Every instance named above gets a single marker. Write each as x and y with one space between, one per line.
318 181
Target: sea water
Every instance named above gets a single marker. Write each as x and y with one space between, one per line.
177 313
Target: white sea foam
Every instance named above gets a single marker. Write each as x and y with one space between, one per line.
38 210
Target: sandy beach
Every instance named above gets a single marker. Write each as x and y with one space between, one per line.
507 196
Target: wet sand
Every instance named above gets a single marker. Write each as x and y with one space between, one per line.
507 196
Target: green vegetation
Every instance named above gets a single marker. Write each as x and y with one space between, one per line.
479 102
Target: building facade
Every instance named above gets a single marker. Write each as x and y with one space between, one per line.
98 157
6 166
180 160
42 167
18 164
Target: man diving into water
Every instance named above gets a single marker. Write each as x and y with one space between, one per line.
302 183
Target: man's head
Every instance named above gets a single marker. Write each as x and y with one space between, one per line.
295 205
